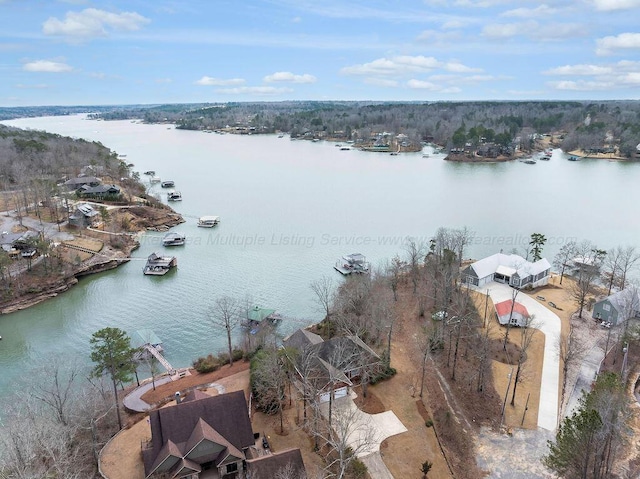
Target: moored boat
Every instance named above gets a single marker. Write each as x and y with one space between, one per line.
208 221
155 179
168 184
174 196
173 239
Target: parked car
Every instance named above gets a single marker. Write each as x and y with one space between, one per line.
439 316
28 253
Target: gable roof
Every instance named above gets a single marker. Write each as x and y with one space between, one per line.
627 300
520 313
301 339
509 264
226 414
268 466
346 352
203 431
99 189
81 180
258 314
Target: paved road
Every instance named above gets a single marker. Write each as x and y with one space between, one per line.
549 323
514 457
364 432
133 401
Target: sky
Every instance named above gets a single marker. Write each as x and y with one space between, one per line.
83 52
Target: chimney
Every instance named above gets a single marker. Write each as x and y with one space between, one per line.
178 398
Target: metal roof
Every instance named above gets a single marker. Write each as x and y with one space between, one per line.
258 314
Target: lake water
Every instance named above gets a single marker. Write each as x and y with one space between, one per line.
289 209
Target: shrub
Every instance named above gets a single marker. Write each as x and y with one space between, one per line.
357 469
237 355
426 467
206 364
384 373
429 423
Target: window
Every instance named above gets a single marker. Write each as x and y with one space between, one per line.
233 467
606 307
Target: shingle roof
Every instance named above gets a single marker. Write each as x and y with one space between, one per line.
226 413
301 339
81 180
524 268
626 300
266 467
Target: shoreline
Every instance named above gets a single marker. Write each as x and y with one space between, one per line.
89 267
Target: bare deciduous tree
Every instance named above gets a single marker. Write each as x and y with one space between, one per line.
225 313
567 253
416 251
324 290
589 259
350 435
570 352
527 332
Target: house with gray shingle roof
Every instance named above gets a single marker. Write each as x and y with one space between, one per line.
75 183
618 307
333 365
98 191
510 269
211 433
287 463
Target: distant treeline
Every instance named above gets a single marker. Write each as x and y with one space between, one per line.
581 124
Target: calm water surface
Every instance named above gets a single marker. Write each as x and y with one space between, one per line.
289 209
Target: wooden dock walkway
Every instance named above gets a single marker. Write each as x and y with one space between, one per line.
161 359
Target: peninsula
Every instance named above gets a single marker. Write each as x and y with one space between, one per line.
81 214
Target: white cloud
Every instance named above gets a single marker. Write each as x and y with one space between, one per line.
624 41
296 20
533 30
254 90
579 70
394 66
502 30
383 82
457 67
523 12
623 74
47 66
423 85
610 5
210 81
91 23
289 77
39 86
581 85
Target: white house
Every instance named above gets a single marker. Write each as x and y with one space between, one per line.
510 269
512 312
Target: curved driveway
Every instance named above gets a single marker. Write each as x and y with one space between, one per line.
549 323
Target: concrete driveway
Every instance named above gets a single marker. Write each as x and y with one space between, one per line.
549 324
364 432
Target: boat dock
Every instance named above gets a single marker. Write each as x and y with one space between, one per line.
354 263
159 265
